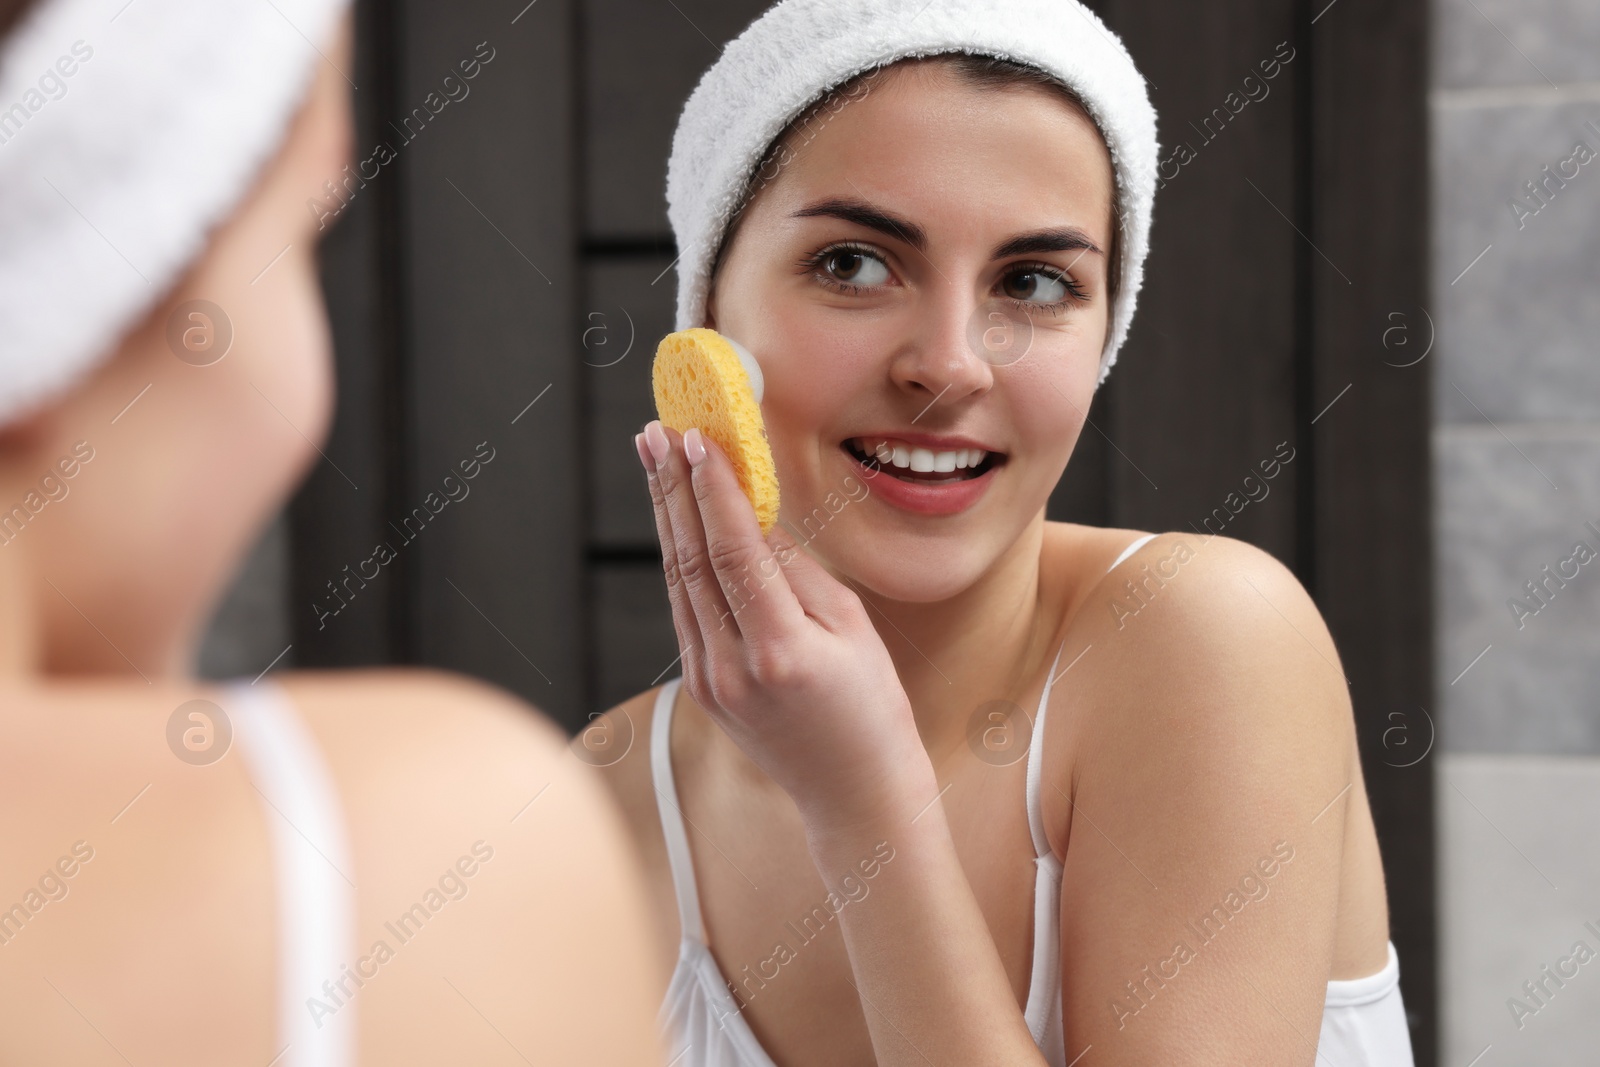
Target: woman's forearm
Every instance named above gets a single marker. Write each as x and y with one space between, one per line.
924 964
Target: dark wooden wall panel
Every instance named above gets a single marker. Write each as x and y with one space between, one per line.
452 283
337 522
1373 501
641 61
1083 494
635 647
628 307
1205 384
491 283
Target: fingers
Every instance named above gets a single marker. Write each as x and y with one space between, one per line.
700 611
690 643
749 575
739 600
690 648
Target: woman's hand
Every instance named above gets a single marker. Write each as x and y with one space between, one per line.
777 651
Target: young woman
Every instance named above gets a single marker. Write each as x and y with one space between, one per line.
939 785
314 868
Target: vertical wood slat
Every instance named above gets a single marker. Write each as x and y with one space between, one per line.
333 523
627 307
628 304
451 281
1205 384
1373 499
1083 494
641 61
490 281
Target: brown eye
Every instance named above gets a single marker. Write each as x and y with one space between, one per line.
855 267
846 264
1029 285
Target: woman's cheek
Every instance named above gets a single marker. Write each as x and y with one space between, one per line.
792 430
1048 399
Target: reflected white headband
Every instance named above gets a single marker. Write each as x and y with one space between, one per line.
798 50
128 131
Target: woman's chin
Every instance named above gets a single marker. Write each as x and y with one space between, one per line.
911 578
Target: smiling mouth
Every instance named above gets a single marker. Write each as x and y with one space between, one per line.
921 466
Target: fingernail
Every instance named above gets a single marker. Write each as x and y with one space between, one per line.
644 452
656 438
694 447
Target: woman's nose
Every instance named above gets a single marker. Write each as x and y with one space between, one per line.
952 354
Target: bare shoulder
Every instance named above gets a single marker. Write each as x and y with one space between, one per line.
464 811
447 755
443 761
1179 594
1210 650
435 700
442 772
390 724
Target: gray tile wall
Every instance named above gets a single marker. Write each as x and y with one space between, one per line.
1522 888
1516 306
1516 438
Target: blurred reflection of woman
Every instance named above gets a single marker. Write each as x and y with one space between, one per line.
332 868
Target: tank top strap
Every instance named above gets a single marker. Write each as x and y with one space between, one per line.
312 871
672 828
1130 550
1041 842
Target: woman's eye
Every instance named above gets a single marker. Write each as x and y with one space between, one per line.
1036 287
857 268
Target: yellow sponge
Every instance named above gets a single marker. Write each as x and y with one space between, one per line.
698 380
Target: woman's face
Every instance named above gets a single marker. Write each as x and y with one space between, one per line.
929 268
189 457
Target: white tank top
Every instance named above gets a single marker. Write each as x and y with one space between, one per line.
1363 1020
311 865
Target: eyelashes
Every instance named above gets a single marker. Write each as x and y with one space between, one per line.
1076 294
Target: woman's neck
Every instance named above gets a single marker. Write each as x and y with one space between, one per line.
34 651
19 644
986 644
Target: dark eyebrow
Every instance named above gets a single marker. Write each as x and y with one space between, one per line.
1059 239
864 214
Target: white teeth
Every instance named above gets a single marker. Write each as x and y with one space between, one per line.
898 454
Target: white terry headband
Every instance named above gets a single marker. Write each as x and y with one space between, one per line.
798 50
128 130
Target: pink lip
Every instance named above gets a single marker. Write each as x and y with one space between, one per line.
950 498
932 442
